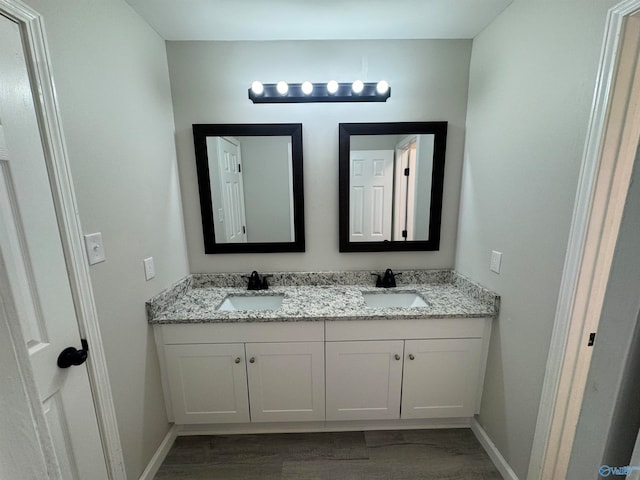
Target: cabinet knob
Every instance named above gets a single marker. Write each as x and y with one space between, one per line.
411 357
252 360
237 360
397 356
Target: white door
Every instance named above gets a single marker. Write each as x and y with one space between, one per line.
441 377
208 383
32 259
286 381
364 379
232 189
371 195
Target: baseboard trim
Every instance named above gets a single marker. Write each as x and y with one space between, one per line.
160 455
494 454
334 426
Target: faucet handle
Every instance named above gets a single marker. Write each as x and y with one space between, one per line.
378 279
265 284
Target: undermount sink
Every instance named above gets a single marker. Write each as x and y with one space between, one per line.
393 299
251 303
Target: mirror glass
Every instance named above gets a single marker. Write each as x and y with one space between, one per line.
391 177
250 180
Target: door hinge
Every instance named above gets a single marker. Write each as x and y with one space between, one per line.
405 234
239 168
244 230
592 339
406 172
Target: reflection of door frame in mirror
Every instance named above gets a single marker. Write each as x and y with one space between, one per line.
405 186
439 131
294 130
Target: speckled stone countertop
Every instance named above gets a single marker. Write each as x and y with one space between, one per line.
309 297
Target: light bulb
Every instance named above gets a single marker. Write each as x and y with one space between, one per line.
357 86
382 87
282 87
307 88
257 88
332 87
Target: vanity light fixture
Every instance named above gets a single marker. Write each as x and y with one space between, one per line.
307 88
382 87
282 87
308 92
257 88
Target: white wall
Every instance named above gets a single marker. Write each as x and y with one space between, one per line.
209 82
374 142
531 86
424 164
267 188
112 82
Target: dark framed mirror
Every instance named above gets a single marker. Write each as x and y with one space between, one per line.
391 185
251 187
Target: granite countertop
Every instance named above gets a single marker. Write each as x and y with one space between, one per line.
196 301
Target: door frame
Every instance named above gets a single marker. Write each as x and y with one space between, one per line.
607 164
58 167
400 203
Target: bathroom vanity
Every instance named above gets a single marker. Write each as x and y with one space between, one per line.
322 351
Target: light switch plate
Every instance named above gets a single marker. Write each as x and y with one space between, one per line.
95 248
496 259
149 268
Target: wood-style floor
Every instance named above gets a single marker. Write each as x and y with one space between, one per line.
378 455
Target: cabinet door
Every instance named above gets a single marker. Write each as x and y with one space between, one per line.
286 381
364 380
208 383
441 377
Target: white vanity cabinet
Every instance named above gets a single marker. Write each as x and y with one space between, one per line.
286 381
441 377
364 379
406 373
207 383
239 373
415 369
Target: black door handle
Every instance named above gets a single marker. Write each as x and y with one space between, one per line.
72 356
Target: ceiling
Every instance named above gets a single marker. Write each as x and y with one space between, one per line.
317 19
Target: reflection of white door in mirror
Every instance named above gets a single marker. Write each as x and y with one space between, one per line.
371 195
225 168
